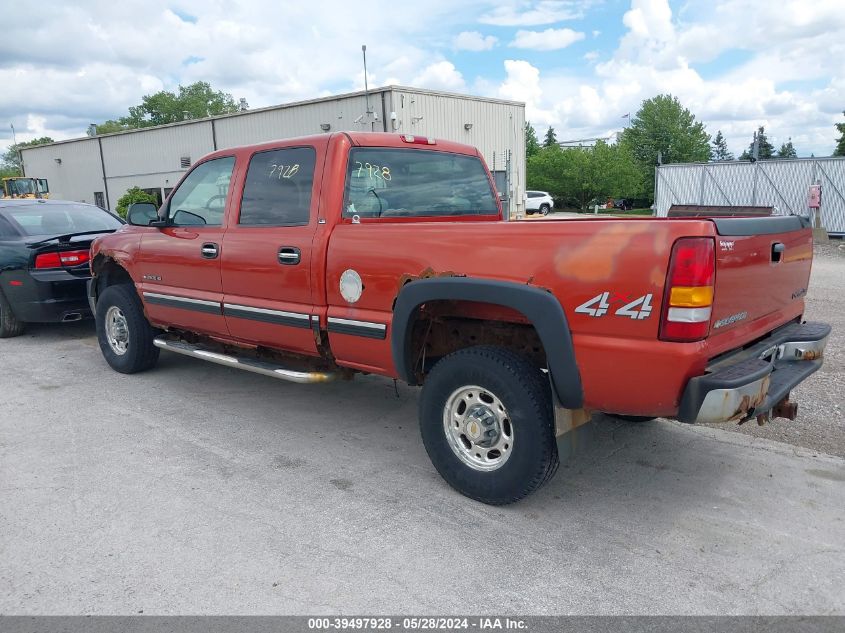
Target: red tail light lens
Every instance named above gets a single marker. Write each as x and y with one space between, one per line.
68 259
687 301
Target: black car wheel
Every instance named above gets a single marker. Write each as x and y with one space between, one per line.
124 334
9 324
544 209
487 424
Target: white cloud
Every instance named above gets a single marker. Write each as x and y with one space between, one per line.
736 64
440 76
660 54
88 60
523 84
523 13
548 40
474 41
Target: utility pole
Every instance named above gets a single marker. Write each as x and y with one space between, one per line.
17 149
367 89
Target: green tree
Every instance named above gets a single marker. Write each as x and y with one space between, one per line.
111 126
192 102
719 151
787 150
765 149
551 138
578 176
11 159
532 143
133 195
663 126
840 144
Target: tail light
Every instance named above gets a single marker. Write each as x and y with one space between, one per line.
68 259
688 299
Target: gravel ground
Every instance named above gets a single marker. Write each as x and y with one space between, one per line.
821 399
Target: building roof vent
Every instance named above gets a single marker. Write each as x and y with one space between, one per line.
185 162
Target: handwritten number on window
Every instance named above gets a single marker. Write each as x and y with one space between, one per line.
373 172
284 171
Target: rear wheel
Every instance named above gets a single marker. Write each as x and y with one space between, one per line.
124 334
487 424
545 208
9 324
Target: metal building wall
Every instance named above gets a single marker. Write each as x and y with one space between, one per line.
299 119
497 128
151 158
78 175
783 184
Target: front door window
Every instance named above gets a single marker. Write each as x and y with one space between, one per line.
201 198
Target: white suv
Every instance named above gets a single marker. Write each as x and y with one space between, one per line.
538 201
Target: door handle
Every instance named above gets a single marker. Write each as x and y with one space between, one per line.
777 251
289 256
210 250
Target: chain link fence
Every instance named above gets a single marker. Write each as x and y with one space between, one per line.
782 184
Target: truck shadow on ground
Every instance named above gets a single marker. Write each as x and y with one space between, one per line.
611 463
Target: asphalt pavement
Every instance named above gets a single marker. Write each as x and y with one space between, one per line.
198 489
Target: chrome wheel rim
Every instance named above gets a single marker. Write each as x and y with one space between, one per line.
478 428
117 331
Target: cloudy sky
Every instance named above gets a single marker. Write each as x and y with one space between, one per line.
579 65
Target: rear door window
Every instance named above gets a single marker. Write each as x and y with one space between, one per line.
383 182
278 187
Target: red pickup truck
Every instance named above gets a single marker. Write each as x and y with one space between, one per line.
313 258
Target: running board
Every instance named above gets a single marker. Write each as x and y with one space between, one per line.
247 364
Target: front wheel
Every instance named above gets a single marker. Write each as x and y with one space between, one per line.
544 209
487 424
124 334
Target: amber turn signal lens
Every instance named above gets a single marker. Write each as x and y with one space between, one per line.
691 296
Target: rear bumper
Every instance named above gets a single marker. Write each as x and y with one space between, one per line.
751 382
48 297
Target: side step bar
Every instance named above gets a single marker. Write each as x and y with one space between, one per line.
247 364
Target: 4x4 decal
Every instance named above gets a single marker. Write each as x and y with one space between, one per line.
598 306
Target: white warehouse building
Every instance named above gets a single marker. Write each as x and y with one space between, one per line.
101 169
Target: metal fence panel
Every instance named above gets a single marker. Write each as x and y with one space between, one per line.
782 184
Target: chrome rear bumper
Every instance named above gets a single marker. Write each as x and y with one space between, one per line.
751 382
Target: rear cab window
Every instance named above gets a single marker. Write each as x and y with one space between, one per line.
387 182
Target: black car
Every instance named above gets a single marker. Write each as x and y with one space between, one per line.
44 247
623 204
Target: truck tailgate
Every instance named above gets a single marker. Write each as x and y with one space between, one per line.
762 266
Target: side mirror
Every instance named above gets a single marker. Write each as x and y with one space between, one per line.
142 214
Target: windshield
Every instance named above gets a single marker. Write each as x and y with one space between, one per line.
383 182
55 219
22 187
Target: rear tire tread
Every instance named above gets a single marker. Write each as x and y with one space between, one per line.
528 381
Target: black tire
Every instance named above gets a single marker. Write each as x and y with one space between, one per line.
529 212
9 324
544 209
140 353
636 419
526 395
